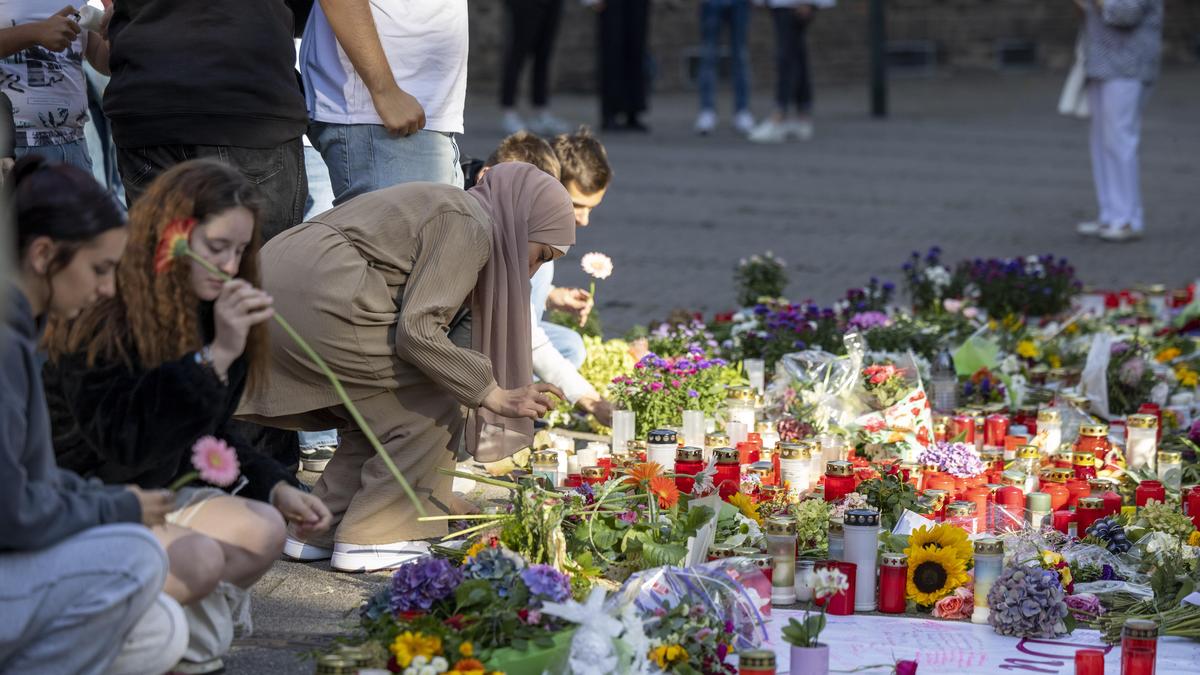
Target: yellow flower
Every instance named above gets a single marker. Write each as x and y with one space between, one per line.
475 549
1194 538
1072 329
934 573
466 650
409 645
666 656
1050 558
1026 349
746 505
944 536
992 325
1055 361
1168 354
1186 376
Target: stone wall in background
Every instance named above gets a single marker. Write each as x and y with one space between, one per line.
925 37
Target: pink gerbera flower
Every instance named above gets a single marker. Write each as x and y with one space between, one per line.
215 461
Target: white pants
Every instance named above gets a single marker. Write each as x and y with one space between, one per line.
1116 107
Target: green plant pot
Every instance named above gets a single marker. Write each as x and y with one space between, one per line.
535 660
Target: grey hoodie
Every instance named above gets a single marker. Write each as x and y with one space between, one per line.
41 504
1123 39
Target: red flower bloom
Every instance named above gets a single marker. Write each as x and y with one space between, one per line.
172 243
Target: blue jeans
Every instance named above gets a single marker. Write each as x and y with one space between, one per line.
365 157
99 136
316 439
74 153
320 189
735 14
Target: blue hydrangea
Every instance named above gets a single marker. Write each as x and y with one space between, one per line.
496 565
418 585
546 583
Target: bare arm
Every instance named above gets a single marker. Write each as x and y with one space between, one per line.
355 30
97 45
56 34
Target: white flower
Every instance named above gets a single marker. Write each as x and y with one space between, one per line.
419 661
428 670
755 258
828 581
597 265
743 262
952 305
703 483
769 254
440 665
938 276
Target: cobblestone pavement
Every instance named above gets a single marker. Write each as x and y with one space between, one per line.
981 166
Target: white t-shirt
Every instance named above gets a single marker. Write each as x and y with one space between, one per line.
48 89
426 45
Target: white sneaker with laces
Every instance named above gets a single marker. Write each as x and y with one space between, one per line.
546 124
706 122
512 122
743 122
376 557
800 129
298 550
1090 228
769 131
1118 233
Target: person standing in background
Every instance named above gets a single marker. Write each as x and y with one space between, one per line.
210 79
386 84
1122 55
531 30
42 50
623 27
736 15
792 118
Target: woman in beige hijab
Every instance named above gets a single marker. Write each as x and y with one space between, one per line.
418 298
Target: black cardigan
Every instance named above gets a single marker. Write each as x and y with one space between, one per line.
137 425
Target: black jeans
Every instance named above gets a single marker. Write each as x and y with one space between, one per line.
278 172
532 27
791 60
623 28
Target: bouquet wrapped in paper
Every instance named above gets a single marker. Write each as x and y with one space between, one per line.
819 388
900 418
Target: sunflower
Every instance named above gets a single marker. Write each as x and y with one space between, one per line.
644 472
746 505
944 536
664 488
409 645
934 573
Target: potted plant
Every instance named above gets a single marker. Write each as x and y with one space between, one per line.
809 656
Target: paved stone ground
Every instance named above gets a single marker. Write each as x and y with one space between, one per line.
980 166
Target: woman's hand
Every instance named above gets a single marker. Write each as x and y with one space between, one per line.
239 308
156 504
530 401
307 513
597 407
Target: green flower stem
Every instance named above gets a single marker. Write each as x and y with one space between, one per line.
471 516
183 480
333 380
469 530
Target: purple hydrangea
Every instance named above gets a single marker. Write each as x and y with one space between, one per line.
546 583
957 459
416 586
1028 602
867 320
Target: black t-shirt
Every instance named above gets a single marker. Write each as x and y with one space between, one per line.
217 72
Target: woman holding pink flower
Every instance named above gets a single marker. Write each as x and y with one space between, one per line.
137 380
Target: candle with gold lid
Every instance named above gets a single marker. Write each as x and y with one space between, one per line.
781 544
989 562
1170 469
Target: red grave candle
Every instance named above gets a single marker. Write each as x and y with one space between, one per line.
1147 490
839 480
1010 508
963 426
1077 488
1193 505
994 430
979 496
1102 488
840 604
747 452
688 463
1089 662
728 475
893 582
1063 520
1088 511
1139 647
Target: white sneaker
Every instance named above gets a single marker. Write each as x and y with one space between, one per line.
512 122
1091 228
545 124
743 122
1120 233
706 122
799 129
769 131
298 550
375 557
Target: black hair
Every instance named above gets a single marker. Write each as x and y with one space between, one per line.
62 202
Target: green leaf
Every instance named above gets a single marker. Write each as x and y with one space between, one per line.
474 593
520 644
658 555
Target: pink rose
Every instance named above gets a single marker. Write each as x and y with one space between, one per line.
957 605
952 305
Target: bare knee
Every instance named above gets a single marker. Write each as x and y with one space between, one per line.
197 566
261 534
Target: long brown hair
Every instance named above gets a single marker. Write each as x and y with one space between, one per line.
158 314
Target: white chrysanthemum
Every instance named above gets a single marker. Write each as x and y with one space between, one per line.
938 276
597 265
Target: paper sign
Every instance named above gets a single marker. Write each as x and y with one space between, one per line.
1192 599
963 648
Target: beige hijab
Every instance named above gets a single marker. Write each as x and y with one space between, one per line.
525 205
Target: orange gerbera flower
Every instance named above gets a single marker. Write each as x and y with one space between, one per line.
645 472
664 488
172 243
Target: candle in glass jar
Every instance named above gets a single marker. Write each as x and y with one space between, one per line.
728 477
993 461
737 432
1170 469
794 462
719 551
1139 647
962 515
1147 490
544 466
764 562
624 425
587 457
712 442
1029 462
1037 510
1049 431
693 428
661 445
804 580
837 540
893 583
839 480
842 604
1089 662
989 562
756 662
861 531
739 405
816 459
1141 441
1010 508
781 544
687 465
